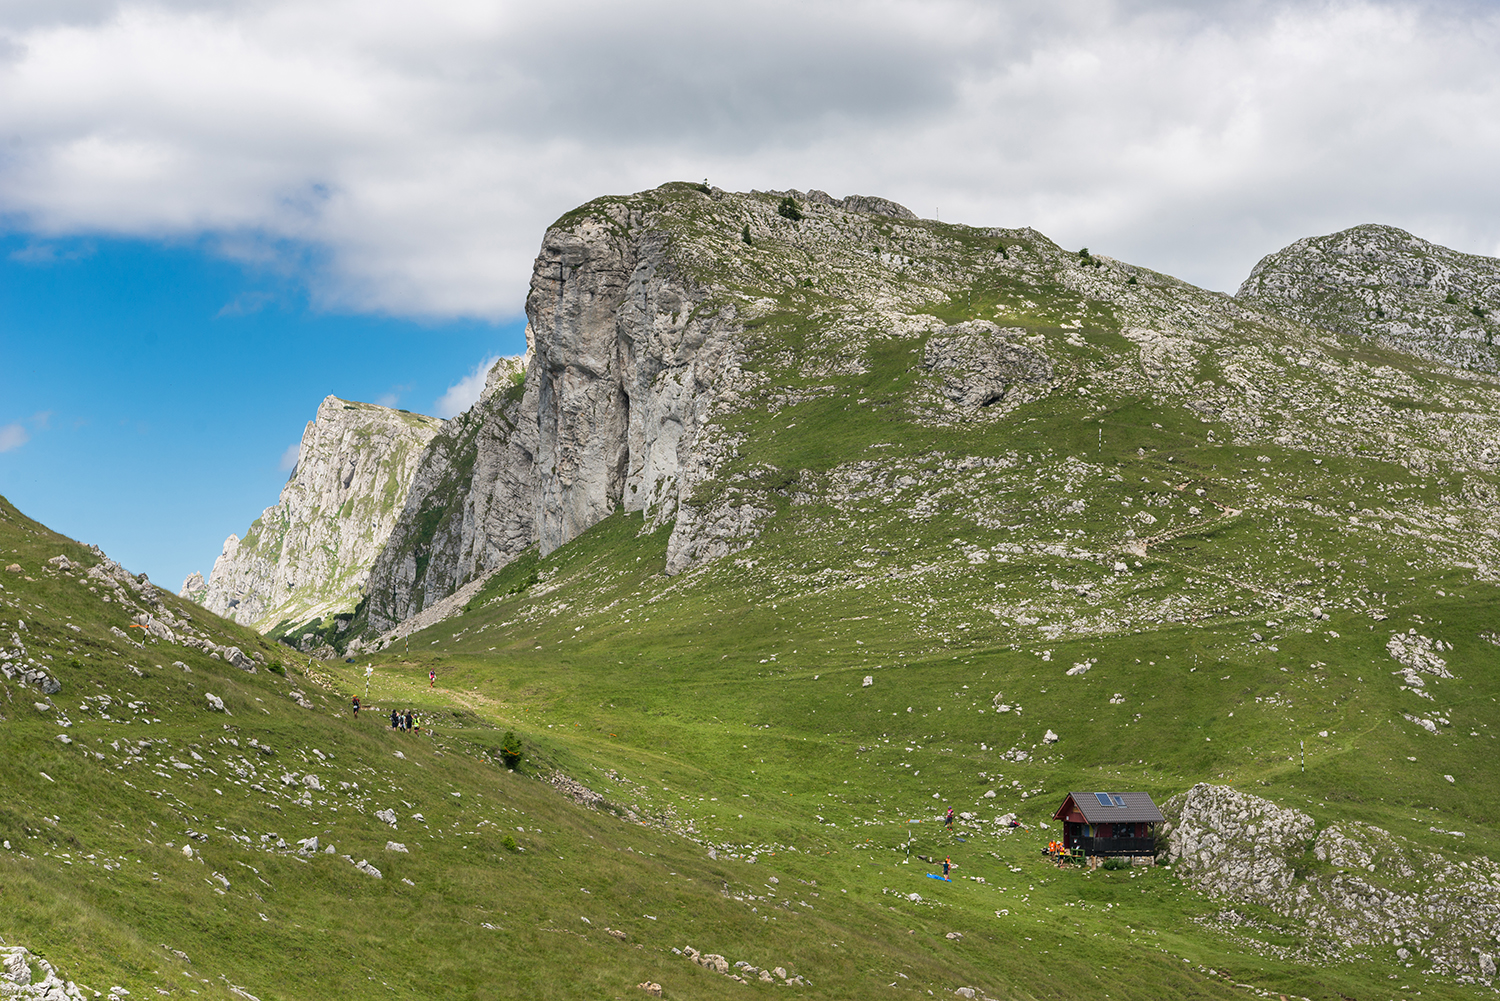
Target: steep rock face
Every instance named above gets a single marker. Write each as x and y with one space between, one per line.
1351 885
470 506
1381 283
309 555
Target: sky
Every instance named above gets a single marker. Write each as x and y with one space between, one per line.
213 213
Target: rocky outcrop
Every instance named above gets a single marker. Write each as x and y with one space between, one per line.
309 556
1352 884
979 363
194 588
1383 284
25 975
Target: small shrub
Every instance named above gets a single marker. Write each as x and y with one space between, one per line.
1114 864
509 843
1477 311
788 209
745 235
510 749
276 667
1451 299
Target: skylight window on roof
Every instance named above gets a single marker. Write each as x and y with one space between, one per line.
1117 800
1103 798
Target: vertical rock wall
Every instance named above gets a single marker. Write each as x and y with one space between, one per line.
623 370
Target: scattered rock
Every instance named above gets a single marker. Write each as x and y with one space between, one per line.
1050 738
954 936
869 680
389 816
368 869
215 703
652 989
395 846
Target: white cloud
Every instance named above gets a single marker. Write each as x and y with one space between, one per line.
465 392
12 436
405 158
289 457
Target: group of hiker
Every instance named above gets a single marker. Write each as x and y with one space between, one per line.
404 721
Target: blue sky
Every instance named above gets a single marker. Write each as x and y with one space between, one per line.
157 387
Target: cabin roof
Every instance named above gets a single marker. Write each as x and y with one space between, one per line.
1136 809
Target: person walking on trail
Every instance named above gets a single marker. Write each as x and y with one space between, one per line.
948 820
431 678
947 864
356 707
395 720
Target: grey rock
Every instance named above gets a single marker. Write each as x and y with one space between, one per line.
194 588
308 556
1377 888
1386 285
979 362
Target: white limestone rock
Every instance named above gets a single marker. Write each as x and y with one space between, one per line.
308 555
1353 883
1386 285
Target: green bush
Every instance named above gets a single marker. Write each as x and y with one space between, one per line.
1114 864
788 209
745 235
277 668
510 749
509 843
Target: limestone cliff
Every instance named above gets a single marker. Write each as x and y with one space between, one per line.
637 350
469 507
308 556
1384 284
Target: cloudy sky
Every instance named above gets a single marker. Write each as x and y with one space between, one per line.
215 212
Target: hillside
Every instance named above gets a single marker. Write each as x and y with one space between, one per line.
1381 283
807 521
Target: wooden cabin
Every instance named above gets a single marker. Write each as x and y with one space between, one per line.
1109 823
